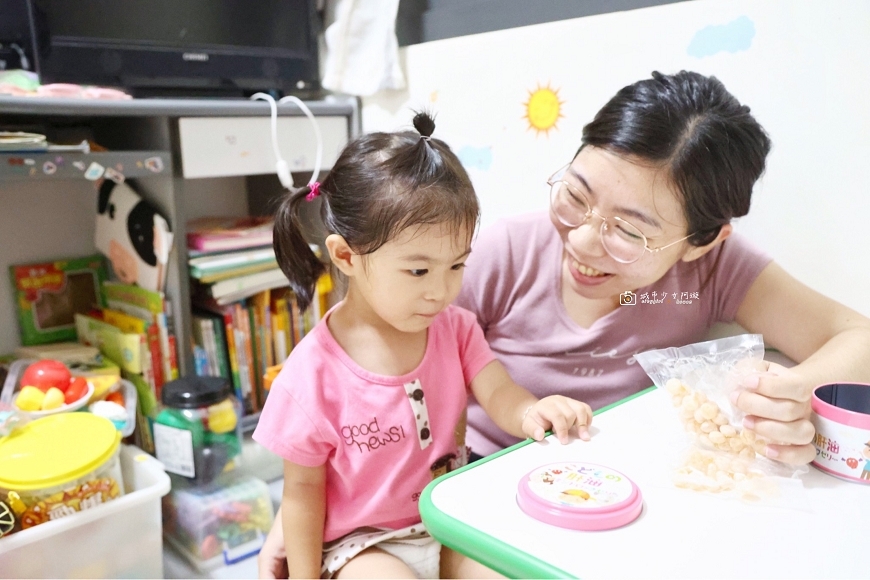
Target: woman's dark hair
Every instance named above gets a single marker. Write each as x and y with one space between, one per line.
380 184
710 145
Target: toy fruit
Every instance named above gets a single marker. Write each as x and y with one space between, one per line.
29 399
44 374
53 399
7 520
76 390
116 397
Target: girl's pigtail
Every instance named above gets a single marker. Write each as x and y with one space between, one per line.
295 257
424 124
422 160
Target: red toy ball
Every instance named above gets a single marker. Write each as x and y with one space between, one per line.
44 374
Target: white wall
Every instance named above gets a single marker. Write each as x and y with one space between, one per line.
802 66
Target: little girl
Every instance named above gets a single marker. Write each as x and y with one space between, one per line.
370 406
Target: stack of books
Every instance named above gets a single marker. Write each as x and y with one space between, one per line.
227 277
232 258
134 331
245 318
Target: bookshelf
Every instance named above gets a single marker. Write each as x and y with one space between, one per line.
214 158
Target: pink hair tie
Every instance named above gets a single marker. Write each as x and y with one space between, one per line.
314 191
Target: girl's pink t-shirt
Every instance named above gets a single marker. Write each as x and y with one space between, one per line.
512 283
382 438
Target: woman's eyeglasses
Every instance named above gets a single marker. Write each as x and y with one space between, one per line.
623 241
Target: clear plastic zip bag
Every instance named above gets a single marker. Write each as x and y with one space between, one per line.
722 457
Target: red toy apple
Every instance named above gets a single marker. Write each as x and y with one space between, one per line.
44 374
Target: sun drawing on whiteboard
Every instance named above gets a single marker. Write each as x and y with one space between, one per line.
543 109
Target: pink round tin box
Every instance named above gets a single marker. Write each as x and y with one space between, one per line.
579 496
841 416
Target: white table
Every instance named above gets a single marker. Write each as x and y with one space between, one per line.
823 532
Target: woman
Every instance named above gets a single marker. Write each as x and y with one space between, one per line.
645 206
642 215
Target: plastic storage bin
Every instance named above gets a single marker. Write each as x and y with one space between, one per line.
60 465
11 387
218 525
119 539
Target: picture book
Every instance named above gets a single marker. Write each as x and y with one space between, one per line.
233 289
151 333
62 351
282 333
122 348
213 234
48 295
218 275
224 260
214 267
150 307
209 334
238 288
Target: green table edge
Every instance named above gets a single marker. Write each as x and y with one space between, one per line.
482 547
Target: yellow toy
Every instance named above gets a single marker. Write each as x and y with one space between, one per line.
14 501
30 399
222 417
53 399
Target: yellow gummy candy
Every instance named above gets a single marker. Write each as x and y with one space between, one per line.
222 417
29 399
53 399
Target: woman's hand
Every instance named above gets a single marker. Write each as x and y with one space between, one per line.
777 407
559 414
272 559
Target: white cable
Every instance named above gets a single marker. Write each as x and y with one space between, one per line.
318 156
22 57
281 167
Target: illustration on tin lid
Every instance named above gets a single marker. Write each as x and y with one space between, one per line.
579 485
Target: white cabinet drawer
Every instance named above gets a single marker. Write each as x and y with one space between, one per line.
225 146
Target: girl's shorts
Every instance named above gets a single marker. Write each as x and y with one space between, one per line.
412 545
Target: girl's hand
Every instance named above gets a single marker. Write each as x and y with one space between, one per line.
272 559
777 407
559 414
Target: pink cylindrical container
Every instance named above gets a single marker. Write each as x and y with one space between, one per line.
841 416
579 496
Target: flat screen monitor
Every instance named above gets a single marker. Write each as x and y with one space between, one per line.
178 46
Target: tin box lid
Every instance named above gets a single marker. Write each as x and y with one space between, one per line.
580 496
56 449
